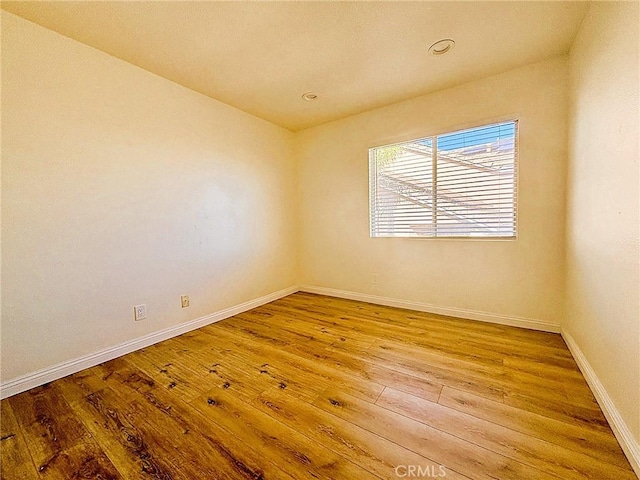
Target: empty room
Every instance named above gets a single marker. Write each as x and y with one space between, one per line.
320 240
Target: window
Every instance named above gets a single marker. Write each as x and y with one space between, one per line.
459 184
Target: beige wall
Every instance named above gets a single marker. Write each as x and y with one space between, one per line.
522 278
603 282
121 188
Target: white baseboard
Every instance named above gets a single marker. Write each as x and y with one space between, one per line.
425 307
49 374
620 428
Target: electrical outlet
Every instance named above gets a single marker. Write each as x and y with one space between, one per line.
184 300
374 278
139 312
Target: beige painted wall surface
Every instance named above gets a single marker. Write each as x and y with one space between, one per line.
603 282
121 188
522 278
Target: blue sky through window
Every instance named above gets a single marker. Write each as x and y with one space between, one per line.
476 136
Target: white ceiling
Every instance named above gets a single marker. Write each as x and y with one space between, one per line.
262 56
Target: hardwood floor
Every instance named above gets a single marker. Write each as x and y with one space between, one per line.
317 387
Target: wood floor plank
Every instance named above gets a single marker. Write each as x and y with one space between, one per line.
60 445
376 375
372 452
465 381
190 452
48 424
551 356
305 459
321 388
85 460
568 373
290 328
15 459
404 382
227 370
408 318
171 371
437 359
599 445
457 454
233 364
316 374
502 379
412 323
554 406
79 385
325 326
540 454
548 388
135 450
145 437
231 449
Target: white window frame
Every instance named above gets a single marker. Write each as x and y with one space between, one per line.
434 178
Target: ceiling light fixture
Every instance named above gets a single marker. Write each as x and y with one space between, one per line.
309 96
441 47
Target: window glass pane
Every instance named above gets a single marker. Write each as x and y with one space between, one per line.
403 180
470 191
476 182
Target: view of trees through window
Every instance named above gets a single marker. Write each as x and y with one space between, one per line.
459 184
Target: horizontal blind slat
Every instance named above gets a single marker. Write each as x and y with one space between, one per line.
476 190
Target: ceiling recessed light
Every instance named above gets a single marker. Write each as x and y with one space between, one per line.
309 96
441 47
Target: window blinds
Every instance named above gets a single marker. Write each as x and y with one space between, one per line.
460 184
